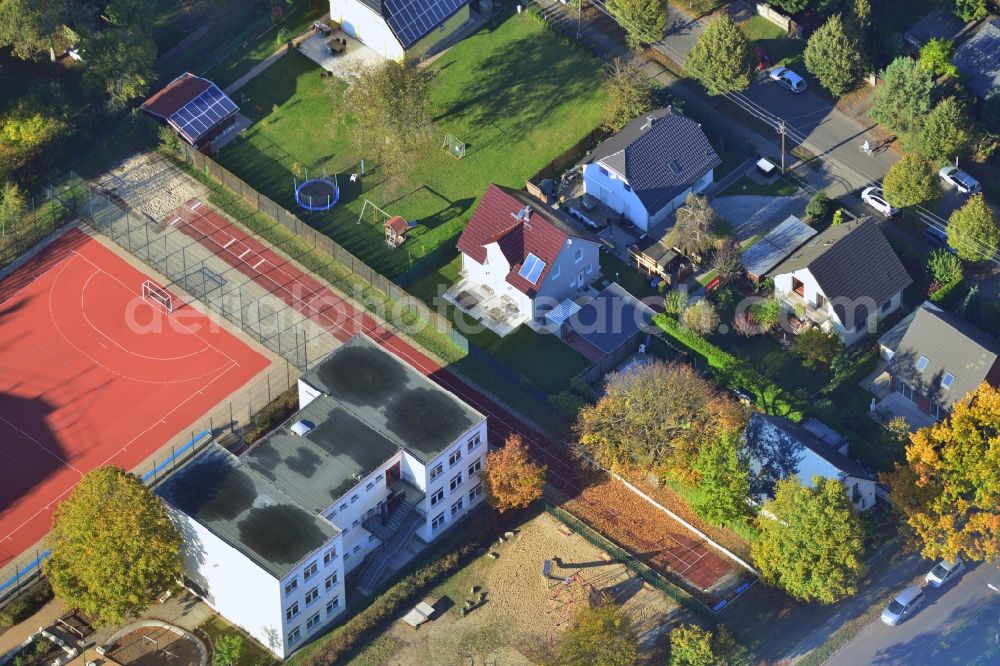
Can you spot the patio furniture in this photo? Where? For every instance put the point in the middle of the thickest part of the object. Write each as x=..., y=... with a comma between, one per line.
x=336, y=45
x=466, y=300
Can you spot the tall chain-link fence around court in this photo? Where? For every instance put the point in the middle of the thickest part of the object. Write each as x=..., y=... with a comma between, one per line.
x=200, y=271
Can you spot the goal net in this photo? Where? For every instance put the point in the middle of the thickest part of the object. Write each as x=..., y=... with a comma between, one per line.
x=454, y=146
x=154, y=292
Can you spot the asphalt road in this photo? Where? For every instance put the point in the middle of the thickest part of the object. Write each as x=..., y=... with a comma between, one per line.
x=810, y=120
x=960, y=624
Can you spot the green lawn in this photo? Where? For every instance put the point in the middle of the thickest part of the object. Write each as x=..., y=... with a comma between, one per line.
x=779, y=188
x=514, y=93
x=252, y=654
x=297, y=21
x=544, y=360
x=758, y=27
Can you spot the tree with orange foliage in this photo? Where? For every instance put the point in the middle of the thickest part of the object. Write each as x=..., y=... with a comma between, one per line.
x=511, y=480
x=949, y=488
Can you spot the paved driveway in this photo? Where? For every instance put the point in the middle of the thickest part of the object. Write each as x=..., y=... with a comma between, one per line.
x=959, y=625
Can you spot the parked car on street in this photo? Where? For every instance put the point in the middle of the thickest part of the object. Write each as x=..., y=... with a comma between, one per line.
x=937, y=238
x=960, y=180
x=903, y=606
x=788, y=79
x=874, y=197
x=944, y=572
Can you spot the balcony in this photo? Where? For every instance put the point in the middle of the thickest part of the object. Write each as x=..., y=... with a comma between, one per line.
x=795, y=303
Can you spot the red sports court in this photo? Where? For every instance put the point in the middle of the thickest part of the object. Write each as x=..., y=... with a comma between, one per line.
x=95, y=370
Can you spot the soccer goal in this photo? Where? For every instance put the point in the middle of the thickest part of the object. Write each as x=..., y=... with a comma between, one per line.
x=154, y=292
x=454, y=145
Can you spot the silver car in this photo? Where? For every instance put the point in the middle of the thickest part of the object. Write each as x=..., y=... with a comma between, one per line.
x=874, y=197
x=944, y=572
x=960, y=180
x=788, y=79
x=903, y=606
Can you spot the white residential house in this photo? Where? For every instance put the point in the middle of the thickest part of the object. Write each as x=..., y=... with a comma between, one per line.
x=402, y=30
x=843, y=280
x=522, y=256
x=646, y=170
x=377, y=461
x=779, y=449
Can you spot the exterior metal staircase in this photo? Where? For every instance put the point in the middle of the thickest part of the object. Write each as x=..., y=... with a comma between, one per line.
x=403, y=525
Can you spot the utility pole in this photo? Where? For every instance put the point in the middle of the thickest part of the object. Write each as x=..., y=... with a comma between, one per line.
x=781, y=131
x=579, y=19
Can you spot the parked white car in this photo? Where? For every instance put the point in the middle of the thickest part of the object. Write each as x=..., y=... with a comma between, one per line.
x=874, y=197
x=960, y=180
x=788, y=79
x=903, y=606
x=944, y=572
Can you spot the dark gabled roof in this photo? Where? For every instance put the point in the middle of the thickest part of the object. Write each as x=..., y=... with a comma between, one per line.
x=390, y=397
x=938, y=23
x=852, y=262
x=542, y=233
x=236, y=504
x=660, y=154
x=978, y=58
x=611, y=318
x=411, y=20
x=777, y=449
x=951, y=345
x=780, y=242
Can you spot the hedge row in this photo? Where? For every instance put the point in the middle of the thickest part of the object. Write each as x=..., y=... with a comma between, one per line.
x=272, y=414
x=949, y=294
x=445, y=559
x=26, y=604
x=733, y=372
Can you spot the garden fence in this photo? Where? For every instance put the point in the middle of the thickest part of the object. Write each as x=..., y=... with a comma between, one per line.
x=411, y=306
x=637, y=566
x=25, y=229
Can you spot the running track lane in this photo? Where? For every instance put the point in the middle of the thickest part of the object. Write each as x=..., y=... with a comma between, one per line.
x=343, y=320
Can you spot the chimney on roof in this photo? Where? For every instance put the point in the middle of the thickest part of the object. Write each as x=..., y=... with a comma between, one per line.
x=523, y=215
x=649, y=123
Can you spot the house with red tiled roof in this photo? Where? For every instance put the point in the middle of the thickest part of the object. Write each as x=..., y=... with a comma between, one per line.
x=520, y=259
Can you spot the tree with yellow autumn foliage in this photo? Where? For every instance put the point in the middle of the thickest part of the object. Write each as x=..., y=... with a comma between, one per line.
x=949, y=487
x=658, y=417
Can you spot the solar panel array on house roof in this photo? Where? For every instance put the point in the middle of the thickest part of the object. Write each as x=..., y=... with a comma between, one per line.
x=202, y=113
x=532, y=268
x=410, y=20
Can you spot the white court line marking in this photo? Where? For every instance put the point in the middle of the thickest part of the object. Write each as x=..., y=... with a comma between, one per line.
x=196, y=205
x=41, y=446
x=175, y=323
x=228, y=243
x=175, y=221
x=86, y=318
x=262, y=261
x=243, y=253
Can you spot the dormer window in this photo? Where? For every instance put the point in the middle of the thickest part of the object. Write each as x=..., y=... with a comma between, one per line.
x=922, y=363
x=947, y=380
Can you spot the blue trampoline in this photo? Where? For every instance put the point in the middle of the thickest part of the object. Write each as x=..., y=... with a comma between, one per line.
x=317, y=194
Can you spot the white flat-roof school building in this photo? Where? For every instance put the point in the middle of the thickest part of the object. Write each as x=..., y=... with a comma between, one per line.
x=376, y=456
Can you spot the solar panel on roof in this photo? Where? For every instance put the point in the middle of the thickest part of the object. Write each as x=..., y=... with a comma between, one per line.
x=532, y=268
x=410, y=20
x=198, y=116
